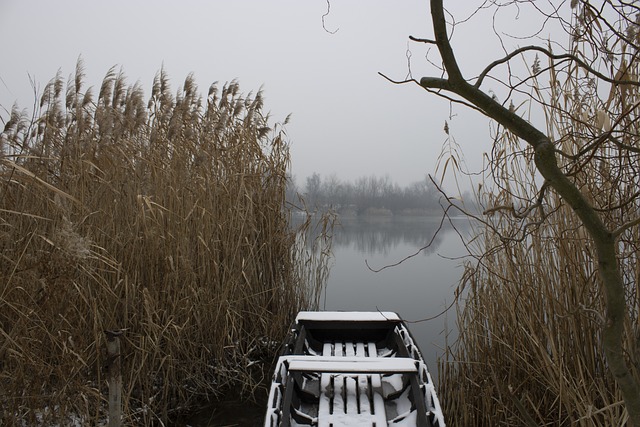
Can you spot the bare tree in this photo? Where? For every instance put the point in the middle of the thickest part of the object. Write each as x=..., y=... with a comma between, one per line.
x=313, y=188
x=600, y=63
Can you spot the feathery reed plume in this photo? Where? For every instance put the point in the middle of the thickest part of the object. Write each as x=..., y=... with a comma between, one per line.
x=529, y=350
x=164, y=219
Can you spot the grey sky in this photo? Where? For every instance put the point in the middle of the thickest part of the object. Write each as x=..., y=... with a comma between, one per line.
x=346, y=119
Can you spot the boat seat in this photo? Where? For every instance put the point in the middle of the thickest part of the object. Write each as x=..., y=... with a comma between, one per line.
x=347, y=316
x=351, y=385
x=352, y=365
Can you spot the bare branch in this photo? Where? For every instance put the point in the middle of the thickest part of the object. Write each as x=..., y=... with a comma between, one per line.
x=525, y=212
x=442, y=41
x=416, y=253
x=438, y=93
x=620, y=205
x=551, y=55
x=622, y=145
x=324, y=16
x=419, y=40
x=398, y=82
x=618, y=231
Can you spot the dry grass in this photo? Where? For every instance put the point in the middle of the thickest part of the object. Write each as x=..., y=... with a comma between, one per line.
x=164, y=219
x=529, y=350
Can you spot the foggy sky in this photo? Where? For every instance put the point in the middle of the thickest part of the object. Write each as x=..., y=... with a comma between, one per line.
x=346, y=119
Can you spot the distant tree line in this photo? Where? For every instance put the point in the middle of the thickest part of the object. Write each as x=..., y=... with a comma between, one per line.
x=367, y=195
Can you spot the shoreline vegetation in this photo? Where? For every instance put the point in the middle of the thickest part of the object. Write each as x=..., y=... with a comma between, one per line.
x=372, y=196
x=162, y=219
x=549, y=312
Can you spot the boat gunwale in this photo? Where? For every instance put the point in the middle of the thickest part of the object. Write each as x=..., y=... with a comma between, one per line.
x=310, y=326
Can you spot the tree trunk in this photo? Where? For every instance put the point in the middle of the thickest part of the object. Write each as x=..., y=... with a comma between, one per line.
x=547, y=164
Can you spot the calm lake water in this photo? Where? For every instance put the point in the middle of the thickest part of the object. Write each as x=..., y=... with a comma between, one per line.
x=420, y=287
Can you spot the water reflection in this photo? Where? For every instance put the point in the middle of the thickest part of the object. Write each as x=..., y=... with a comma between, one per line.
x=383, y=235
x=420, y=287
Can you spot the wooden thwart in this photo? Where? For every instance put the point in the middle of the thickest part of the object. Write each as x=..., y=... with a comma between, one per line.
x=347, y=316
x=352, y=364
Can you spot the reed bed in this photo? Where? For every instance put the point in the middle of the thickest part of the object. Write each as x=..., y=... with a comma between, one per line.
x=529, y=351
x=164, y=219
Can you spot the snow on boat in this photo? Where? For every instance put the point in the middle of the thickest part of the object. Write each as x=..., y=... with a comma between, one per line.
x=351, y=369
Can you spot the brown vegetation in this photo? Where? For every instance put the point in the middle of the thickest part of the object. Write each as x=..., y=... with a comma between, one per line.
x=165, y=220
x=534, y=346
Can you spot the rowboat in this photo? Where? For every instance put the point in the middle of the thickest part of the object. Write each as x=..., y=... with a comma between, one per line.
x=351, y=369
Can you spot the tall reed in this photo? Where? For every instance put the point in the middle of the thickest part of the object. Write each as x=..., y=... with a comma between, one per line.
x=529, y=350
x=164, y=219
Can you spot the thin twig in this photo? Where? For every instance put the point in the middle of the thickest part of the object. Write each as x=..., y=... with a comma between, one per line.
x=324, y=16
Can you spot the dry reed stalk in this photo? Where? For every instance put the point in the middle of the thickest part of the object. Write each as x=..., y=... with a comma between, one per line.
x=164, y=219
x=529, y=350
